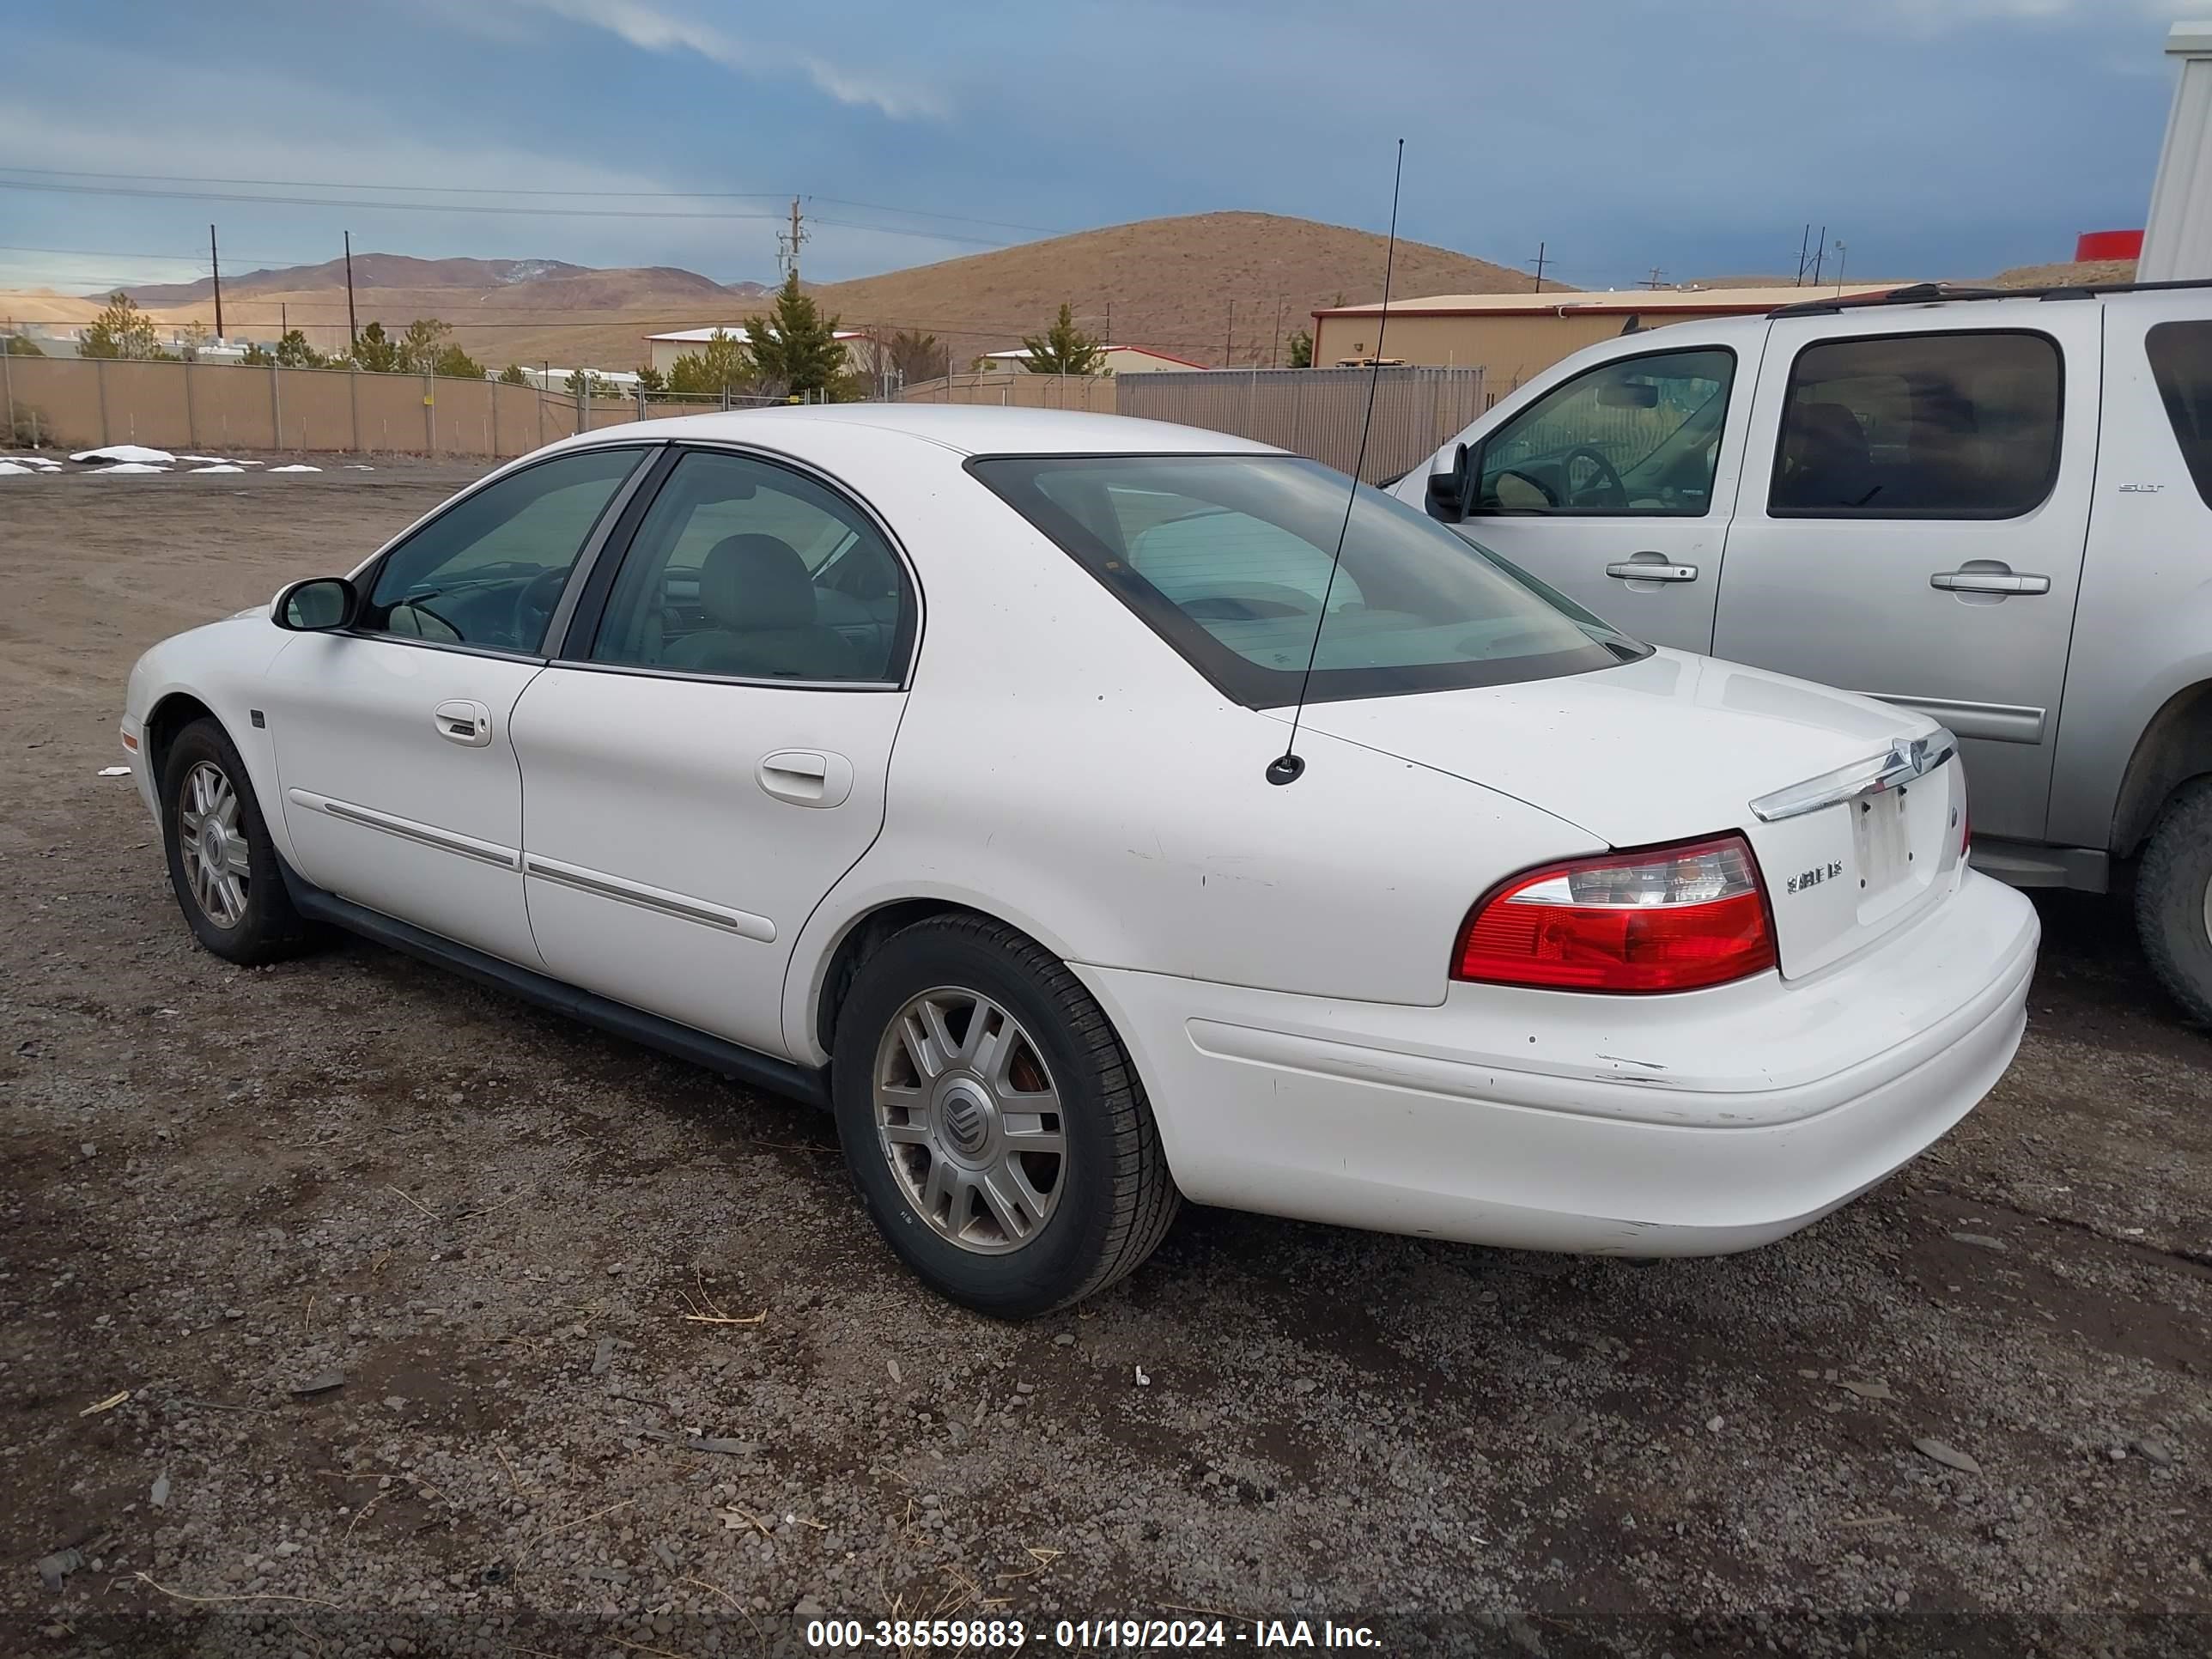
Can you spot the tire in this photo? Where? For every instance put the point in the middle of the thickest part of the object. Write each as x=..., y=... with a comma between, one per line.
x=2173, y=898
x=1107, y=1196
x=245, y=916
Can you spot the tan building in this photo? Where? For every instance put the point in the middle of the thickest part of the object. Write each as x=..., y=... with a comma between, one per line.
x=1118, y=360
x=661, y=350
x=1511, y=337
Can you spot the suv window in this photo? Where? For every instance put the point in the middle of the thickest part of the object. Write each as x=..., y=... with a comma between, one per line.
x=2181, y=363
x=1919, y=426
x=1639, y=436
x=749, y=571
x=487, y=571
x=1227, y=558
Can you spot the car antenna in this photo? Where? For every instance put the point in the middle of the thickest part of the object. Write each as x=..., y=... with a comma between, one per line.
x=1290, y=766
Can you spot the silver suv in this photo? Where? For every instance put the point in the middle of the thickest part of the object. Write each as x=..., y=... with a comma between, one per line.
x=1992, y=506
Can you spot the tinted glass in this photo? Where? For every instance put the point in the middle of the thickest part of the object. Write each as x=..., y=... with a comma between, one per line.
x=1919, y=426
x=489, y=571
x=2181, y=363
x=1228, y=557
x=1639, y=436
x=750, y=570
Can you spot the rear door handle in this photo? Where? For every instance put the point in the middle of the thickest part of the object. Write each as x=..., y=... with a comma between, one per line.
x=1651, y=568
x=806, y=777
x=458, y=720
x=1988, y=582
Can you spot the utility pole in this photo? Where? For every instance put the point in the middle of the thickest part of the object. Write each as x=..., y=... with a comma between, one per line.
x=787, y=242
x=1653, y=280
x=1840, y=252
x=1804, y=250
x=1228, y=342
x=1820, y=254
x=353, y=331
x=215, y=268
x=1276, y=344
x=1540, y=266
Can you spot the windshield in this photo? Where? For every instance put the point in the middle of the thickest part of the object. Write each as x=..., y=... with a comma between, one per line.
x=1228, y=558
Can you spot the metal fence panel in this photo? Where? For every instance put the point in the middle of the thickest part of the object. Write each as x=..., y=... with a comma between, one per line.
x=1316, y=412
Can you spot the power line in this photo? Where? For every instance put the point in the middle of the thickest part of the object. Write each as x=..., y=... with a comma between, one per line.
x=358, y=203
x=524, y=190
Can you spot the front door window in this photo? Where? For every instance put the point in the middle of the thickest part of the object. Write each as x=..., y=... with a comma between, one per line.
x=1639, y=436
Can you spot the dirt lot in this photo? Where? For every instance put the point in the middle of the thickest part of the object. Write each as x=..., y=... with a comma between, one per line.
x=542, y=1260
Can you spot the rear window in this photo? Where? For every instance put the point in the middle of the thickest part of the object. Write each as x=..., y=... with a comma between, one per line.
x=1228, y=558
x=2181, y=363
x=1919, y=426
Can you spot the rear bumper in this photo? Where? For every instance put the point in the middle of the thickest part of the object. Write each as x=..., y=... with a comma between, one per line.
x=1685, y=1125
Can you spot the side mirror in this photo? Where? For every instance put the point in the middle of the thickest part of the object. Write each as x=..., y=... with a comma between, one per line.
x=320, y=604
x=1448, y=490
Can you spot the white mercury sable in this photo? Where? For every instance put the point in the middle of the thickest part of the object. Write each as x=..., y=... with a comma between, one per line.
x=918, y=760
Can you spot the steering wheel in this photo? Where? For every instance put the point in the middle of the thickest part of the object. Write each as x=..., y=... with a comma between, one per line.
x=1616, y=491
x=533, y=606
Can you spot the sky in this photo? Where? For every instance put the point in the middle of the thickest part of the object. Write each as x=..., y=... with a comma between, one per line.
x=1931, y=138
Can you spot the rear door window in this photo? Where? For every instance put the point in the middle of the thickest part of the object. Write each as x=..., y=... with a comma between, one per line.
x=2181, y=363
x=1919, y=426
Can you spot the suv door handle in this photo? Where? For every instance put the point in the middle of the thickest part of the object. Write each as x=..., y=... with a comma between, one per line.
x=806, y=777
x=1999, y=581
x=1651, y=568
x=458, y=720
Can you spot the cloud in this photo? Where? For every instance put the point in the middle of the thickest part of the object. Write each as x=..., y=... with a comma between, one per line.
x=650, y=28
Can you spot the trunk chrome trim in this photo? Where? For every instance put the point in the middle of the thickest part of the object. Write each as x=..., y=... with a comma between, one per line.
x=467, y=847
x=1994, y=722
x=1905, y=759
x=743, y=923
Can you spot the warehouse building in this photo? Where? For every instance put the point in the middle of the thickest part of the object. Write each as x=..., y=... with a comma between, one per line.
x=1511, y=337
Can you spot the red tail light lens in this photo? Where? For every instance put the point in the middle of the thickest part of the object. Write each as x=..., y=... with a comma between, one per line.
x=1667, y=919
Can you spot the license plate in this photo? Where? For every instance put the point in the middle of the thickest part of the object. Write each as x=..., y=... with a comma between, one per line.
x=1882, y=838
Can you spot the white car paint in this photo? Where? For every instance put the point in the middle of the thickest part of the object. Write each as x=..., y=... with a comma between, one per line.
x=1276, y=959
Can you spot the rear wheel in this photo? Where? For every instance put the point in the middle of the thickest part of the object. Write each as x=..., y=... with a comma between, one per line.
x=221, y=863
x=2173, y=899
x=993, y=1123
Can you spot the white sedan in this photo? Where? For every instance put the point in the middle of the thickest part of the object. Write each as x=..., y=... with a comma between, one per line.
x=930, y=763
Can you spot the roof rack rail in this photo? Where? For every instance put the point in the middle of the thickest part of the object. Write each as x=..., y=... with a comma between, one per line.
x=1920, y=294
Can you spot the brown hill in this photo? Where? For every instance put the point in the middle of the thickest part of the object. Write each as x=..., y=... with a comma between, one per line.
x=2073, y=270
x=1168, y=284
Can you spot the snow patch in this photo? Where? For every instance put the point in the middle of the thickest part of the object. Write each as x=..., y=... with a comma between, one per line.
x=133, y=453
x=358, y=466
x=212, y=460
x=9, y=470
x=130, y=466
x=220, y=466
x=296, y=466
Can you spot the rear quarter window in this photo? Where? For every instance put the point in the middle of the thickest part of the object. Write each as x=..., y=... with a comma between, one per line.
x=2181, y=363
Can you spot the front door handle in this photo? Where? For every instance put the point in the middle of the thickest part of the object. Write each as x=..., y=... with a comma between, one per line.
x=1998, y=580
x=806, y=777
x=1651, y=568
x=458, y=720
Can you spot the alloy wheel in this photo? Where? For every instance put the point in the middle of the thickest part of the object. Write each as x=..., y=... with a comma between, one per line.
x=217, y=866
x=969, y=1119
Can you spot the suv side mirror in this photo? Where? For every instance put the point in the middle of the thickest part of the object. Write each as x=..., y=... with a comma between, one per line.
x=320, y=604
x=1448, y=490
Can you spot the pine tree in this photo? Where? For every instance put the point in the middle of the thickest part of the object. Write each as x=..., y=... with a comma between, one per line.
x=649, y=378
x=1063, y=349
x=724, y=366
x=795, y=348
x=512, y=375
x=293, y=351
x=121, y=329
x=1302, y=350
x=375, y=350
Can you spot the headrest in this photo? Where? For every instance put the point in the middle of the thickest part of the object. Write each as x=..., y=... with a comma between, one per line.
x=749, y=583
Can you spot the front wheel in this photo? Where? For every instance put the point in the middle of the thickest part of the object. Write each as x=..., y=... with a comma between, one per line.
x=2173, y=899
x=993, y=1123
x=222, y=862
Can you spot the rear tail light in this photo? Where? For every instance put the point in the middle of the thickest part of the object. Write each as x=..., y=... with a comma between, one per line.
x=1662, y=918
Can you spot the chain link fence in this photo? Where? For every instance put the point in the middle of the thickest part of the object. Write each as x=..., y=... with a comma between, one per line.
x=1317, y=412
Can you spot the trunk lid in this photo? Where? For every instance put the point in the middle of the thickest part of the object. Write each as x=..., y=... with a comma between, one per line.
x=1676, y=747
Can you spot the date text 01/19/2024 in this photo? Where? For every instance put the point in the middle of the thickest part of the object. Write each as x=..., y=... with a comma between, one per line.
x=1085, y=1635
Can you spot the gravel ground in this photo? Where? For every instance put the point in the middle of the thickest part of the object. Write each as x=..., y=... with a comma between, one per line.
x=345, y=1307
